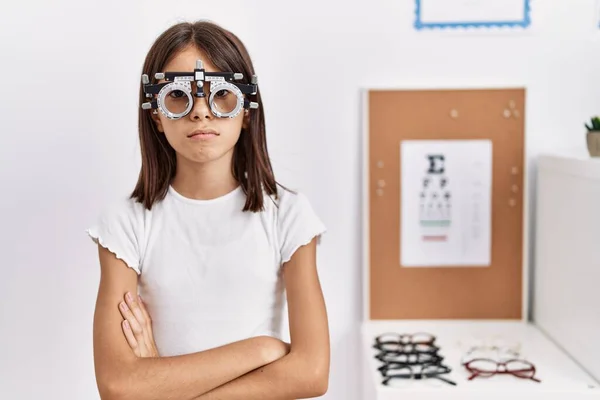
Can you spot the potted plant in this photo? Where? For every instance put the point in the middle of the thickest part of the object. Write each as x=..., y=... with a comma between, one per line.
x=593, y=136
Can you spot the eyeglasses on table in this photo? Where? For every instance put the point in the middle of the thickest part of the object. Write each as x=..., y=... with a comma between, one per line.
x=485, y=368
x=402, y=374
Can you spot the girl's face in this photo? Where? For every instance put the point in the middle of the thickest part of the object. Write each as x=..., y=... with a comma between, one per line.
x=222, y=133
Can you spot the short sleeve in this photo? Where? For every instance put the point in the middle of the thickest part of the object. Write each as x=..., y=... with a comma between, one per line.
x=119, y=229
x=297, y=223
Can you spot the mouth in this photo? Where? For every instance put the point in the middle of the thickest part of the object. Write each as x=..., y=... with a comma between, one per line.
x=202, y=133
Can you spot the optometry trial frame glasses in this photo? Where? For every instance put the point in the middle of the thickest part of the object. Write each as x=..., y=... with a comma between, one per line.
x=175, y=97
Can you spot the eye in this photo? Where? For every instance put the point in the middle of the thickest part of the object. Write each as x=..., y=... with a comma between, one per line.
x=176, y=93
x=221, y=93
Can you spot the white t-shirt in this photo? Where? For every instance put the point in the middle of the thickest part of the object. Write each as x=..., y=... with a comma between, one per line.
x=209, y=273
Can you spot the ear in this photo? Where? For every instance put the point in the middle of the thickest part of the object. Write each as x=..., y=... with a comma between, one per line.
x=157, y=121
x=246, y=121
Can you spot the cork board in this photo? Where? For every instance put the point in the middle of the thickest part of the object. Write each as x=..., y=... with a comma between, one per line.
x=444, y=292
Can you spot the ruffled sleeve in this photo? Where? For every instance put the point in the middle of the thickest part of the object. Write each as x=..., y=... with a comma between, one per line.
x=297, y=223
x=119, y=229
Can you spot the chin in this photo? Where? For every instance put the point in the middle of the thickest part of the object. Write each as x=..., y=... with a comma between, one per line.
x=205, y=155
x=202, y=157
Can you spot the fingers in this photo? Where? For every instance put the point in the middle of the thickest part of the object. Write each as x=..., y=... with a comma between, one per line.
x=139, y=321
x=147, y=324
x=133, y=343
x=145, y=313
x=148, y=328
x=131, y=319
x=135, y=308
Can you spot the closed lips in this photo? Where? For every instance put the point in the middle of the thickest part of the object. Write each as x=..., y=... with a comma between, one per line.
x=203, y=132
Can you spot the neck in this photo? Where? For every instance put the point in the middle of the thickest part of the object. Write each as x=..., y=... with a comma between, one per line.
x=204, y=181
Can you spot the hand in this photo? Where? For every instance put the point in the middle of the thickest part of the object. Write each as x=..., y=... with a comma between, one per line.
x=137, y=326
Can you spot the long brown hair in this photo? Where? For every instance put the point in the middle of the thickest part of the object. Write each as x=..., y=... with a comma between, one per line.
x=251, y=166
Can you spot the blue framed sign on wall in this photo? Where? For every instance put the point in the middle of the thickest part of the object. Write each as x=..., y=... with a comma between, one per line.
x=455, y=14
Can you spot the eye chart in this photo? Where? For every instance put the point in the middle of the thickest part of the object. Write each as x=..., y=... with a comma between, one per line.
x=445, y=202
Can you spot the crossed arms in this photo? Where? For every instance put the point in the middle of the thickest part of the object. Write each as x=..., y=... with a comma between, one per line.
x=257, y=368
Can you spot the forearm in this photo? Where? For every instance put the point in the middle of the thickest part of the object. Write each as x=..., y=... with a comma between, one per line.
x=304, y=372
x=291, y=377
x=187, y=376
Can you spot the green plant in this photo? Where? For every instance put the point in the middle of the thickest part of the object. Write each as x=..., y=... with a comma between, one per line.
x=595, y=121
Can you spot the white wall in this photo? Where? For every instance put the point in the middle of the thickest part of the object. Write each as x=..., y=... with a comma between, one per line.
x=70, y=75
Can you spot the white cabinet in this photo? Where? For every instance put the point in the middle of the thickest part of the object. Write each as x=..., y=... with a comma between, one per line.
x=566, y=276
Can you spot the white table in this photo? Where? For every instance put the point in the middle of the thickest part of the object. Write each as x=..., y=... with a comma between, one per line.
x=560, y=376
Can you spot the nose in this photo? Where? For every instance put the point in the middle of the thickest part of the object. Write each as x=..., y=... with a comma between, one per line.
x=200, y=109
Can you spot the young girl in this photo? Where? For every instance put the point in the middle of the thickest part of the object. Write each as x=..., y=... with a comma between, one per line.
x=214, y=246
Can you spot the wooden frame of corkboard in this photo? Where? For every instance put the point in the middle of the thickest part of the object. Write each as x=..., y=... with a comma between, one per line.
x=372, y=309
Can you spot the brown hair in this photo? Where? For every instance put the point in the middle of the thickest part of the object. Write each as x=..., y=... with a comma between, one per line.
x=251, y=166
